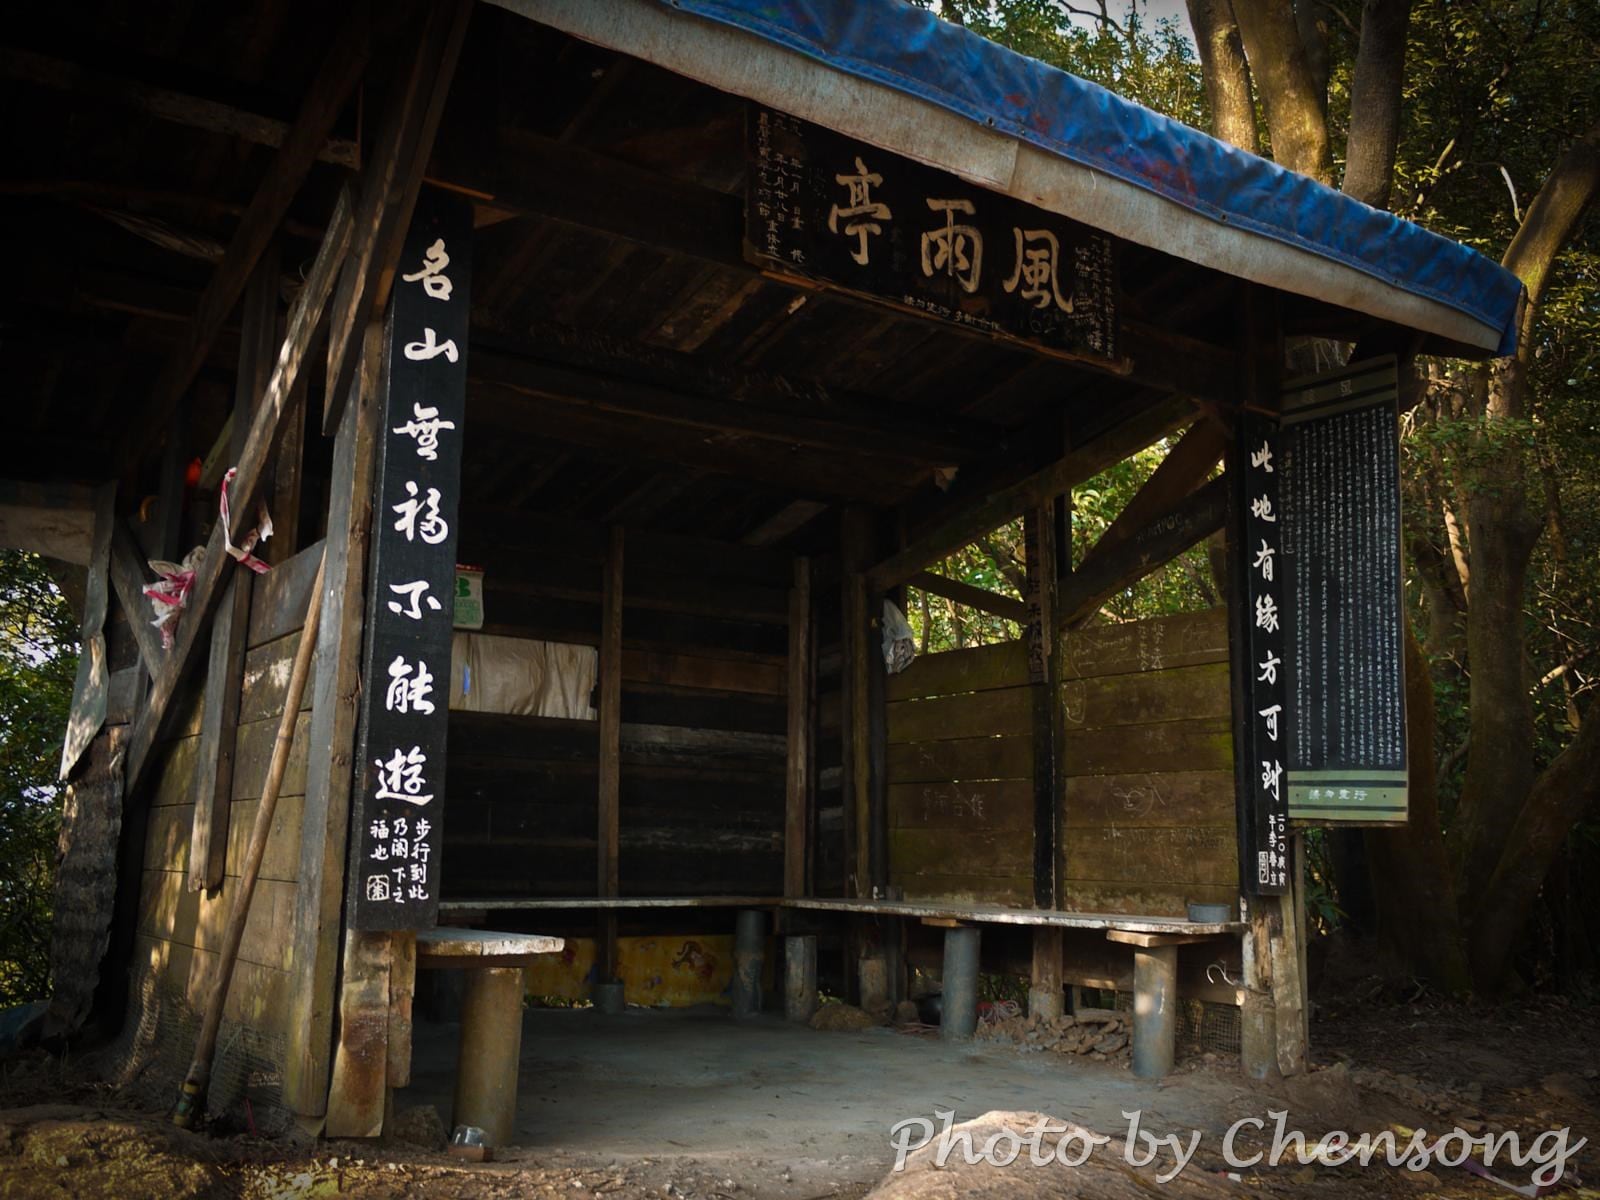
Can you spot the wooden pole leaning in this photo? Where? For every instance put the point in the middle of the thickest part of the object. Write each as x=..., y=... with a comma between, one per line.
x=192, y=1093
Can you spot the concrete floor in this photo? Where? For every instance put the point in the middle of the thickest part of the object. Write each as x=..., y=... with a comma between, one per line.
x=782, y=1097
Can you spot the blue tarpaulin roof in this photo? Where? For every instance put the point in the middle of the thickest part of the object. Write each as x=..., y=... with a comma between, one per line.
x=892, y=43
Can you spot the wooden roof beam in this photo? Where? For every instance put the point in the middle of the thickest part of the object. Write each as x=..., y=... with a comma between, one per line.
x=861, y=434
x=179, y=108
x=989, y=513
x=973, y=597
x=1169, y=534
x=341, y=67
x=540, y=177
x=1182, y=471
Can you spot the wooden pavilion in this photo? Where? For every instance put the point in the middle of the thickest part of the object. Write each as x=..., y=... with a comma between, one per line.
x=697, y=333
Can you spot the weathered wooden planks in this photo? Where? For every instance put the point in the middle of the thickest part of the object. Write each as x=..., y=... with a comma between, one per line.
x=1200, y=745
x=1178, y=694
x=982, y=668
x=1148, y=811
x=996, y=804
x=961, y=758
x=257, y=998
x=1151, y=798
x=976, y=714
x=1014, y=890
x=279, y=598
x=1187, y=639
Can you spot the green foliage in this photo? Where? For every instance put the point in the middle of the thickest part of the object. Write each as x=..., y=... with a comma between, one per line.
x=999, y=564
x=38, y=659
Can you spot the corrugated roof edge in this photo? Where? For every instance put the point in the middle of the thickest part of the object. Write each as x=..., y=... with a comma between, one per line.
x=911, y=50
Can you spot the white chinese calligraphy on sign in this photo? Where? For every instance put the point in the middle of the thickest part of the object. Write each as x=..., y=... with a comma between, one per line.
x=432, y=277
x=416, y=592
x=429, y=347
x=400, y=778
x=408, y=692
x=425, y=427
x=956, y=250
x=862, y=213
x=1038, y=261
x=432, y=527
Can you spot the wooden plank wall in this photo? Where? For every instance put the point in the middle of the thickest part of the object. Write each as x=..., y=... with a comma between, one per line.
x=960, y=766
x=705, y=642
x=180, y=930
x=1148, y=820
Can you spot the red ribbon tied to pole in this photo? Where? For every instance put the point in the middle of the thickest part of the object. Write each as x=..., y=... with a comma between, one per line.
x=262, y=531
x=170, y=592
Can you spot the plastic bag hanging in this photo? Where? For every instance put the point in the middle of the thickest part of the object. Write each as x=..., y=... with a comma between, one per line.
x=899, y=643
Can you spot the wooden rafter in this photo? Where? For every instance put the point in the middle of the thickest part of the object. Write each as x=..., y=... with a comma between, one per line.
x=973, y=522
x=1183, y=470
x=324, y=100
x=1169, y=534
x=180, y=108
x=973, y=597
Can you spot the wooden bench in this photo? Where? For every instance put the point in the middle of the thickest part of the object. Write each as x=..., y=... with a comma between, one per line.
x=491, y=1019
x=1154, y=941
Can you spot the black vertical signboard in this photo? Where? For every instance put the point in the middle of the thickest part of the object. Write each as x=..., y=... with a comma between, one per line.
x=1262, y=636
x=1341, y=544
x=395, y=832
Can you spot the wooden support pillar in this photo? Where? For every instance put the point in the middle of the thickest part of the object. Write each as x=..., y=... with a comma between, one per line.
x=800, y=978
x=959, y=1019
x=854, y=551
x=749, y=954
x=797, y=790
x=1039, y=532
x=219, y=721
x=325, y=820
x=358, y=1099
x=609, y=807
x=1046, y=999
x=1273, y=1039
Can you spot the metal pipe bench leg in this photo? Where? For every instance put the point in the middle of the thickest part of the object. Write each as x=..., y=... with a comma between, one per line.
x=1155, y=1010
x=959, y=1014
x=491, y=1048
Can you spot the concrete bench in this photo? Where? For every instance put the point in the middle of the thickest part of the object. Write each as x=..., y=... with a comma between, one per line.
x=491, y=1019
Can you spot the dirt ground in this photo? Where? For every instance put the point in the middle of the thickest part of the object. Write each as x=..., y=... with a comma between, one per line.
x=1526, y=1067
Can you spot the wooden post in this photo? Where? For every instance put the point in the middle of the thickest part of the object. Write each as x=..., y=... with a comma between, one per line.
x=287, y=480
x=1273, y=1035
x=797, y=793
x=219, y=721
x=1039, y=532
x=329, y=769
x=1046, y=997
x=608, y=833
x=855, y=549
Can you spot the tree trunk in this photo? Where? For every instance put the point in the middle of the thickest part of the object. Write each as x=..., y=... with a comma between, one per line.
x=1375, y=101
x=1560, y=797
x=1279, y=66
x=1226, y=73
x=1503, y=530
x=1417, y=914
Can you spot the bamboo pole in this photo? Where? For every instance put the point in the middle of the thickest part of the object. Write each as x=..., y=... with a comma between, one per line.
x=191, y=1096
